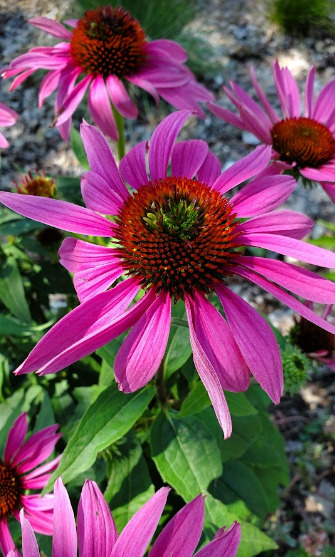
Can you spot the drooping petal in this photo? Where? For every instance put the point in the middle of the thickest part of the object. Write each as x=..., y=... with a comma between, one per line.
x=217, y=342
x=243, y=169
x=49, y=84
x=287, y=299
x=181, y=535
x=132, y=166
x=101, y=158
x=300, y=281
x=324, y=173
x=57, y=213
x=291, y=247
x=41, y=521
x=16, y=437
x=208, y=374
x=64, y=540
x=144, y=84
x=7, y=116
x=6, y=540
x=90, y=282
x=29, y=543
x=286, y=222
x=97, y=532
x=225, y=543
x=162, y=142
x=210, y=170
x=162, y=73
x=73, y=100
x=98, y=195
x=256, y=341
x=77, y=255
x=329, y=189
x=136, y=535
x=85, y=329
x=226, y=115
x=187, y=97
x=262, y=195
x=160, y=47
x=38, y=478
x=52, y=27
x=120, y=98
x=100, y=108
x=141, y=353
x=187, y=157
x=36, y=449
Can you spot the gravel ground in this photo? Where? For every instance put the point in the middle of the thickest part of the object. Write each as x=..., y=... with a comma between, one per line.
x=240, y=35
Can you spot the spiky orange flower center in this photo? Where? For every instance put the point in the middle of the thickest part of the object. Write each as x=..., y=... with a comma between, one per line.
x=178, y=235
x=303, y=141
x=108, y=41
x=10, y=490
x=36, y=184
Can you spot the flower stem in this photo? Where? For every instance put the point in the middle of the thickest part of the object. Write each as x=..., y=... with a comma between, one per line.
x=120, y=127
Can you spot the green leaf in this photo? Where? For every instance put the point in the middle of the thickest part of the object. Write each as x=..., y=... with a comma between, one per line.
x=253, y=540
x=110, y=417
x=196, y=401
x=129, y=483
x=186, y=453
x=243, y=484
x=10, y=326
x=78, y=148
x=9, y=411
x=239, y=405
x=20, y=225
x=246, y=429
x=179, y=348
x=46, y=415
x=327, y=242
x=12, y=291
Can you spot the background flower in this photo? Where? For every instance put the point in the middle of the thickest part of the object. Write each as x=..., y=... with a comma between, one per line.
x=98, y=537
x=177, y=237
x=107, y=60
x=7, y=118
x=305, y=142
x=20, y=470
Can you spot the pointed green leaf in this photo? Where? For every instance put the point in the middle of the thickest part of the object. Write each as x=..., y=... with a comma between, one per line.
x=12, y=291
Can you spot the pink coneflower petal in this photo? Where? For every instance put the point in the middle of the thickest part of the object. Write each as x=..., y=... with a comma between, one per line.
x=77, y=255
x=3, y=142
x=59, y=214
x=44, y=61
x=136, y=535
x=287, y=299
x=133, y=167
x=257, y=127
x=243, y=169
x=182, y=533
x=167, y=75
x=98, y=195
x=64, y=541
x=219, y=345
x=272, y=114
x=29, y=543
x=36, y=449
x=329, y=189
x=226, y=115
x=286, y=222
x=186, y=101
x=120, y=98
x=287, y=91
x=87, y=328
x=309, y=94
x=299, y=281
x=144, y=84
x=6, y=540
x=251, y=106
x=15, y=437
x=50, y=26
x=166, y=48
x=67, y=81
x=291, y=247
x=90, y=282
x=141, y=353
x=262, y=195
x=49, y=83
x=162, y=142
x=324, y=105
x=210, y=170
x=256, y=341
x=324, y=173
x=73, y=100
x=100, y=108
x=208, y=374
x=97, y=532
x=7, y=116
x=38, y=478
x=101, y=159
x=225, y=543
x=187, y=157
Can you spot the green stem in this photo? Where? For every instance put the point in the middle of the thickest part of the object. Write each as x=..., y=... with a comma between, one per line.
x=120, y=127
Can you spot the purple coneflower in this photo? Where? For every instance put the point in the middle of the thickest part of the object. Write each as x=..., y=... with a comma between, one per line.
x=96, y=534
x=301, y=140
x=20, y=471
x=178, y=237
x=107, y=48
x=7, y=118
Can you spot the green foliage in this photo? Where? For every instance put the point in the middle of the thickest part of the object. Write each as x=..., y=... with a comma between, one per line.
x=303, y=17
x=295, y=367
